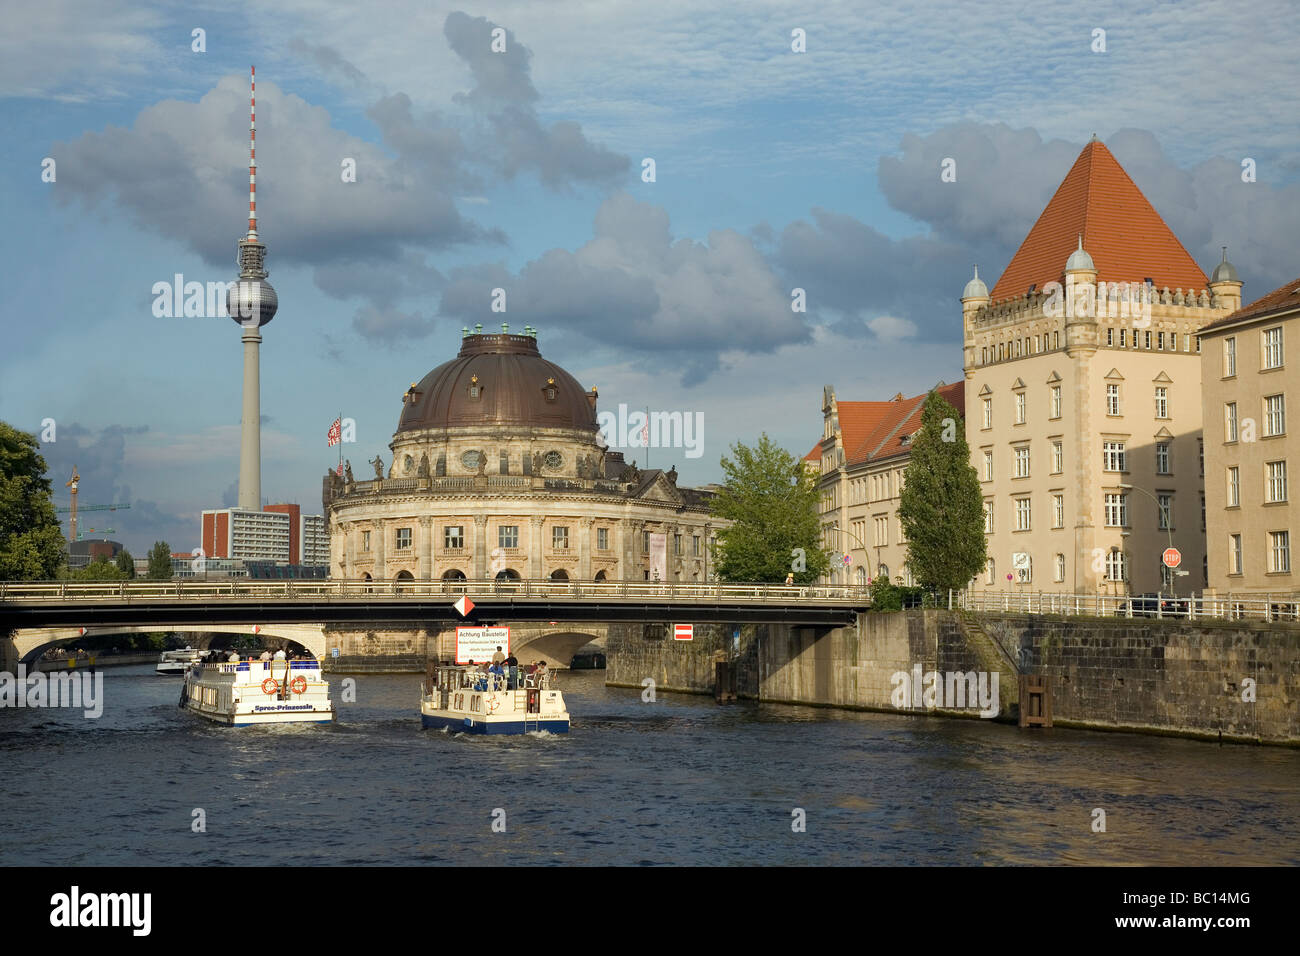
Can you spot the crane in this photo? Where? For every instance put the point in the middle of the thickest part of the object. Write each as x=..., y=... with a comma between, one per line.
x=72, y=527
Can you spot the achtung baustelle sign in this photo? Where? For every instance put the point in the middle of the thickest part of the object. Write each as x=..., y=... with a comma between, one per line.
x=478, y=644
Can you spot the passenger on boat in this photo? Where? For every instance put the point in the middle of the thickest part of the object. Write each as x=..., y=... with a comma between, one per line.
x=279, y=655
x=266, y=656
x=512, y=672
x=498, y=657
x=497, y=676
x=541, y=674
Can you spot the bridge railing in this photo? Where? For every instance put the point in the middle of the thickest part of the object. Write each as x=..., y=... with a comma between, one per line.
x=1268, y=607
x=315, y=588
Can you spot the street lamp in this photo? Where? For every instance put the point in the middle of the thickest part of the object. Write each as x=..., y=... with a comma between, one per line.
x=1169, y=528
x=859, y=541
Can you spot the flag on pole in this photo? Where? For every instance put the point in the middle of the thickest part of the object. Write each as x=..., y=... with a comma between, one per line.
x=339, y=470
x=336, y=432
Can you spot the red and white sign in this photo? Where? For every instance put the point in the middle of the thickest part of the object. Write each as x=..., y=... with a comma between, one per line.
x=683, y=632
x=1172, y=557
x=464, y=606
x=257, y=628
x=82, y=631
x=478, y=644
x=335, y=434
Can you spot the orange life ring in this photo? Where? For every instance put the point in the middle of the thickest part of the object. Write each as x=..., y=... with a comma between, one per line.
x=298, y=685
x=493, y=704
x=274, y=685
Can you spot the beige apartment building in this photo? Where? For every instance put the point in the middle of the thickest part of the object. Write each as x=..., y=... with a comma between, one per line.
x=1246, y=380
x=861, y=459
x=1083, y=385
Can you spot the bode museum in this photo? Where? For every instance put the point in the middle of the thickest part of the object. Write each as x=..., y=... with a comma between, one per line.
x=499, y=470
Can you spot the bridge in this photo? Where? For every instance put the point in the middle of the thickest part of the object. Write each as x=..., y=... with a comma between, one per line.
x=42, y=614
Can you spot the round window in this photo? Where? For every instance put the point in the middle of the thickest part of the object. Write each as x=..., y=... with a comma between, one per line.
x=470, y=460
x=554, y=459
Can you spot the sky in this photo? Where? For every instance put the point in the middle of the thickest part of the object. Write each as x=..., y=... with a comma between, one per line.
x=524, y=168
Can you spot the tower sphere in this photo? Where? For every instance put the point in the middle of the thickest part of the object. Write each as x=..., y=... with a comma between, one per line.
x=251, y=302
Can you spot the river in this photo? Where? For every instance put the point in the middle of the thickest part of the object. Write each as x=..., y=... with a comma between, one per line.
x=681, y=780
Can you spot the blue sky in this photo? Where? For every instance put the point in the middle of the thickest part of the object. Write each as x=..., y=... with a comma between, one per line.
x=521, y=169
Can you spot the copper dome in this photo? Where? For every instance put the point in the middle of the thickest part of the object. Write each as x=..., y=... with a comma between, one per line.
x=498, y=379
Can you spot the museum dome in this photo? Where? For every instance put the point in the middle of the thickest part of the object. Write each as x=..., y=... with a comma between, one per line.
x=498, y=379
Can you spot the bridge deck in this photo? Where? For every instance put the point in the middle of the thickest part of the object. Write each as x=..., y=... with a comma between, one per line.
x=342, y=602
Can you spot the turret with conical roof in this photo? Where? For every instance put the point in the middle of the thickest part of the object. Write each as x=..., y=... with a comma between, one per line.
x=1225, y=284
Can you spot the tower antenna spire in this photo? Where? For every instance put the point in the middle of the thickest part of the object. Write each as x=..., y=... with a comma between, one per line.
x=252, y=152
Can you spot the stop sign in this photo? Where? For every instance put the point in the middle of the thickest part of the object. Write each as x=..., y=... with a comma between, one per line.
x=1172, y=557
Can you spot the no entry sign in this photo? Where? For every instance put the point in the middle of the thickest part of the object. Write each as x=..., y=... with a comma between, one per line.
x=1172, y=557
x=683, y=632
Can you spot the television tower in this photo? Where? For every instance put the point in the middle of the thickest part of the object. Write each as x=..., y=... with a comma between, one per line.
x=252, y=303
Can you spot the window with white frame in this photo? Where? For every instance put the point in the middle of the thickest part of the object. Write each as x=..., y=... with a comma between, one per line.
x=1058, y=457
x=882, y=531
x=1116, y=510
x=1234, y=487
x=1230, y=356
x=1117, y=563
x=1022, y=461
x=403, y=538
x=1230, y=421
x=1112, y=456
x=453, y=536
x=1056, y=401
x=990, y=573
x=988, y=465
x=602, y=540
x=1059, y=576
x=1112, y=398
x=1234, y=554
x=1020, y=408
x=1058, y=511
x=560, y=538
x=1165, y=512
x=508, y=536
x=988, y=516
x=1272, y=347
x=988, y=413
x=1022, y=514
x=1274, y=415
x=1162, y=458
x=1276, y=480
x=1279, y=551
x=1162, y=401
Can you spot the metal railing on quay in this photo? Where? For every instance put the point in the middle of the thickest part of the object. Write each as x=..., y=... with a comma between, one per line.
x=1268, y=607
x=315, y=588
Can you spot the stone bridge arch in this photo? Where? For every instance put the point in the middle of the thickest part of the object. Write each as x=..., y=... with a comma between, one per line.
x=27, y=644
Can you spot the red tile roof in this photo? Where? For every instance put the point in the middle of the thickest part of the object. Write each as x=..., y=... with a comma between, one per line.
x=815, y=454
x=1125, y=236
x=899, y=417
x=1282, y=299
x=859, y=419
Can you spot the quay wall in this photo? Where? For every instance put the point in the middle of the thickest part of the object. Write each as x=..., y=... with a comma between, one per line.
x=1166, y=677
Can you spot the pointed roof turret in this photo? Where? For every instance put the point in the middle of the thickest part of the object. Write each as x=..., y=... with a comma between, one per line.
x=1099, y=207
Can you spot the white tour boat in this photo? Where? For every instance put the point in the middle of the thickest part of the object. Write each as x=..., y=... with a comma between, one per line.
x=465, y=699
x=248, y=692
x=174, y=663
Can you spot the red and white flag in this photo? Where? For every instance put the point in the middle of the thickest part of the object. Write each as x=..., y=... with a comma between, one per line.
x=339, y=470
x=336, y=432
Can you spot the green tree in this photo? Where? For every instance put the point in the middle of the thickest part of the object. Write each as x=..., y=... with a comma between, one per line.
x=772, y=503
x=101, y=569
x=126, y=563
x=941, y=508
x=160, y=562
x=31, y=540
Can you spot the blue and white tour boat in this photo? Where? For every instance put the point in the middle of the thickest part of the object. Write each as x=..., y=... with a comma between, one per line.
x=464, y=698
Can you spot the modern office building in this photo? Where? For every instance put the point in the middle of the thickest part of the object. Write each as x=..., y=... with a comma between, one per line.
x=1245, y=383
x=1083, y=393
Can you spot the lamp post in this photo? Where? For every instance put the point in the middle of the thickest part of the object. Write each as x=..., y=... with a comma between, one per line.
x=1168, y=528
x=859, y=541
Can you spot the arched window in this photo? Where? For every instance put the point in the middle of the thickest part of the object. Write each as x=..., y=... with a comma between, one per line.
x=883, y=571
x=600, y=575
x=509, y=574
x=559, y=574
x=453, y=574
